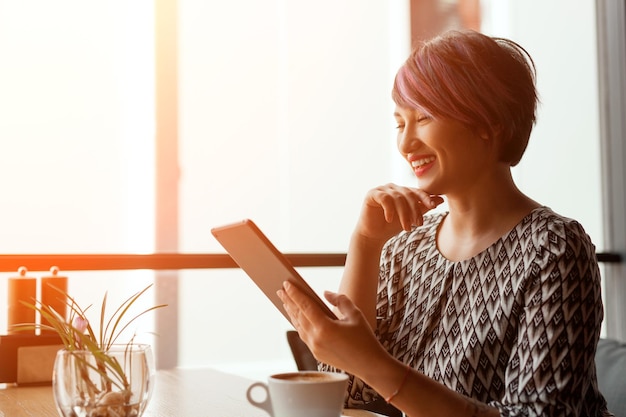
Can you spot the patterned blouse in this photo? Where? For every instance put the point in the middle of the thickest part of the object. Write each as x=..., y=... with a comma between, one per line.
x=515, y=326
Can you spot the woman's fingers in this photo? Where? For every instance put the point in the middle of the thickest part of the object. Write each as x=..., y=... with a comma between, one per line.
x=299, y=306
x=403, y=204
x=346, y=307
x=331, y=341
x=389, y=209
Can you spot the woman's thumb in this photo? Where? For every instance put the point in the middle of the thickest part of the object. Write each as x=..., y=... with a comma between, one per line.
x=345, y=306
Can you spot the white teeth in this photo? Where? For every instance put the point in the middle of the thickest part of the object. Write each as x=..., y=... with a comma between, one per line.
x=423, y=161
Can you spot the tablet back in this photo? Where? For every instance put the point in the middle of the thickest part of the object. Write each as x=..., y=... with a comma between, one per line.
x=264, y=264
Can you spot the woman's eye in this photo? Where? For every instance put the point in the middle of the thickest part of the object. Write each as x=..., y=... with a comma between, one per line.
x=400, y=126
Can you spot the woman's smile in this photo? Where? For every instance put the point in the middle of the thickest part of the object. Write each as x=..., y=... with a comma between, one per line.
x=421, y=164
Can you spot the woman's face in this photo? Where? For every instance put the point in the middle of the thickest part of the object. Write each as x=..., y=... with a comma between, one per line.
x=445, y=155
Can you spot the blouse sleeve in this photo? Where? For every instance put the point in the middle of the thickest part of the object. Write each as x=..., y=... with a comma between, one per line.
x=551, y=368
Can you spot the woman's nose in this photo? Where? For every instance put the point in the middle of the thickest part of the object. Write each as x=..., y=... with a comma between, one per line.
x=407, y=141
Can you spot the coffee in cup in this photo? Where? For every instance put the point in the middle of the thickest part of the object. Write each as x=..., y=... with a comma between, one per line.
x=302, y=394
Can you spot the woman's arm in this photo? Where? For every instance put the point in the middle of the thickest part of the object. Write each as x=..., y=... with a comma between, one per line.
x=552, y=364
x=360, y=276
x=417, y=395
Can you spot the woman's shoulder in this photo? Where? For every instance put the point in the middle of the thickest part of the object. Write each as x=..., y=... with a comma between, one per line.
x=545, y=219
x=551, y=229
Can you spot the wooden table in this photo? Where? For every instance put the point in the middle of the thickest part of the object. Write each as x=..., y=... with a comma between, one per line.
x=177, y=393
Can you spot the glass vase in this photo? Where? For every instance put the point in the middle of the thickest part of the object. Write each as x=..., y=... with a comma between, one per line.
x=114, y=383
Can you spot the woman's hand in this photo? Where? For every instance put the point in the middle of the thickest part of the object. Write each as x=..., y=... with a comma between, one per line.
x=390, y=208
x=386, y=211
x=347, y=343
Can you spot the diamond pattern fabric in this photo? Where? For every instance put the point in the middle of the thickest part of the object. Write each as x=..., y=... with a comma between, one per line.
x=515, y=326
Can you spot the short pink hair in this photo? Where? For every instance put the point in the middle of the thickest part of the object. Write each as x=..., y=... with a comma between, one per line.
x=485, y=83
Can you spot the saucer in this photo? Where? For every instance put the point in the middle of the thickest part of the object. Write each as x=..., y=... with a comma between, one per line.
x=359, y=413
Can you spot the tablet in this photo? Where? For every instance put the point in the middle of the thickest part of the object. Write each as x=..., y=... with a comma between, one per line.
x=266, y=265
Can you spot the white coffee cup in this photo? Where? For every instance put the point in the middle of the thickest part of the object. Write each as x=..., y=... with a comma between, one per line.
x=302, y=394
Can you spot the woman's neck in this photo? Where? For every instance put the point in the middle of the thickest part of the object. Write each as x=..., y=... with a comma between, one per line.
x=475, y=222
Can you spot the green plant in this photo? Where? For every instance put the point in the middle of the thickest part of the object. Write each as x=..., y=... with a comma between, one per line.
x=78, y=337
